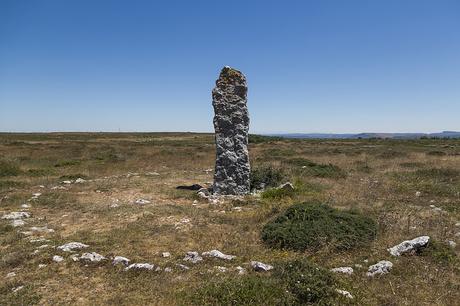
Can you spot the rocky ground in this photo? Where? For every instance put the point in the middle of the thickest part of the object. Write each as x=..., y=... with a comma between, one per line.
x=97, y=219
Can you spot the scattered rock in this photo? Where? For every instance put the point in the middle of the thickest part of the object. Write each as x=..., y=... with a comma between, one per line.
x=418, y=193
x=16, y=289
x=241, y=270
x=193, y=257
x=58, y=258
x=452, y=244
x=16, y=215
x=413, y=245
x=18, y=222
x=25, y=206
x=183, y=267
x=120, y=260
x=286, y=186
x=42, y=229
x=11, y=274
x=75, y=257
x=167, y=269
x=41, y=266
x=92, y=257
x=260, y=267
x=142, y=202
x=344, y=293
x=382, y=267
x=140, y=266
x=67, y=182
x=231, y=124
x=344, y=270
x=166, y=254
x=218, y=254
x=220, y=269
x=80, y=180
x=359, y=266
x=69, y=247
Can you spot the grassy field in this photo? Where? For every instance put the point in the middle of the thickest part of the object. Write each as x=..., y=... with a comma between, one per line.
x=409, y=188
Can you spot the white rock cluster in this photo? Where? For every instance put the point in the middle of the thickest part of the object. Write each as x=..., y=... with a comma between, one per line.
x=344, y=270
x=218, y=254
x=69, y=247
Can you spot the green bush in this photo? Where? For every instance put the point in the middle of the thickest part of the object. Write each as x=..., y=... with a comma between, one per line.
x=266, y=176
x=307, y=167
x=296, y=282
x=439, y=252
x=308, y=283
x=246, y=290
x=8, y=168
x=310, y=226
x=277, y=193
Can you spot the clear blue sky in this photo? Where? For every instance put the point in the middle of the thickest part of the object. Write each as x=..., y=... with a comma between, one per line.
x=312, y=66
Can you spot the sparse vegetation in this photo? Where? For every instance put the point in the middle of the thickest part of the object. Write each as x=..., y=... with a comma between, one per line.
x=8, y=168
x=414, y=193
x=309, y=168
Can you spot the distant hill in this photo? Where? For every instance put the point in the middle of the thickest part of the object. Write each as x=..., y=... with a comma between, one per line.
x=444, y=134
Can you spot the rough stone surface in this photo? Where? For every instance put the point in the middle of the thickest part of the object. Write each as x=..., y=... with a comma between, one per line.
x=409, y=246
x=69, y=247
x=260, y=267
x=120, y=259
x=15, y=215
x=140, y=266
x=231, y=125
x=92, y=257
x=344, y=293
x=193, y=257
x=218, y=254
x=344, y=270
x=57, y=258
x=382, y=267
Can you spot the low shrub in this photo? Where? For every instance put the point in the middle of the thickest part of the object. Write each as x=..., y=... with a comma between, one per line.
x=439, y=252
x=265, y=177
x=308, y=283
x=246, y=290
x=307, y=167
x=296, y=282
x=8, y=168
x=310, y=226
x=66, y=163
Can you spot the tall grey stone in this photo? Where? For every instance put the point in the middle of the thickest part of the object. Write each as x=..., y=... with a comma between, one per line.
x=231, y=124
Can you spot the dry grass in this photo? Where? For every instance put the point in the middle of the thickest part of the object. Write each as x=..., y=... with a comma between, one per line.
x=382, y=178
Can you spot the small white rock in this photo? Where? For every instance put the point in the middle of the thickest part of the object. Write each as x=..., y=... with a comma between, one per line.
x=58, y=258
x=344, y=270
x=140, y=266
x=11, y=274
x=241, y=270
x=382, y=267
x=166, y=254
x=183, y=267
x=344, y=293
x=221, y=269
x=120, y=259
x=452, y=244
x=41, y=266
x=142, y=202
x=260, y=266
x=16, y=215
x=92, y=257
x=193, y=257
x=218, y=254
x=67, y=182
x=167, y=269
x=80, y=180
x=18, y=222
x=418, y=194
x=69, y=247
x=17, y=289
x=409, y=245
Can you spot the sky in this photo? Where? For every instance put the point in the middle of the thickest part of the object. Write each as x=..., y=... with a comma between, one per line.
x=312, y=66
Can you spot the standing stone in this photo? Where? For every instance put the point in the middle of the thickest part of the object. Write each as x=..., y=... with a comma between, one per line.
x=231, y=124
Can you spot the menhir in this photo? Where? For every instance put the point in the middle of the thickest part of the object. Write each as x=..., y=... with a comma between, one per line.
x=231, y=124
